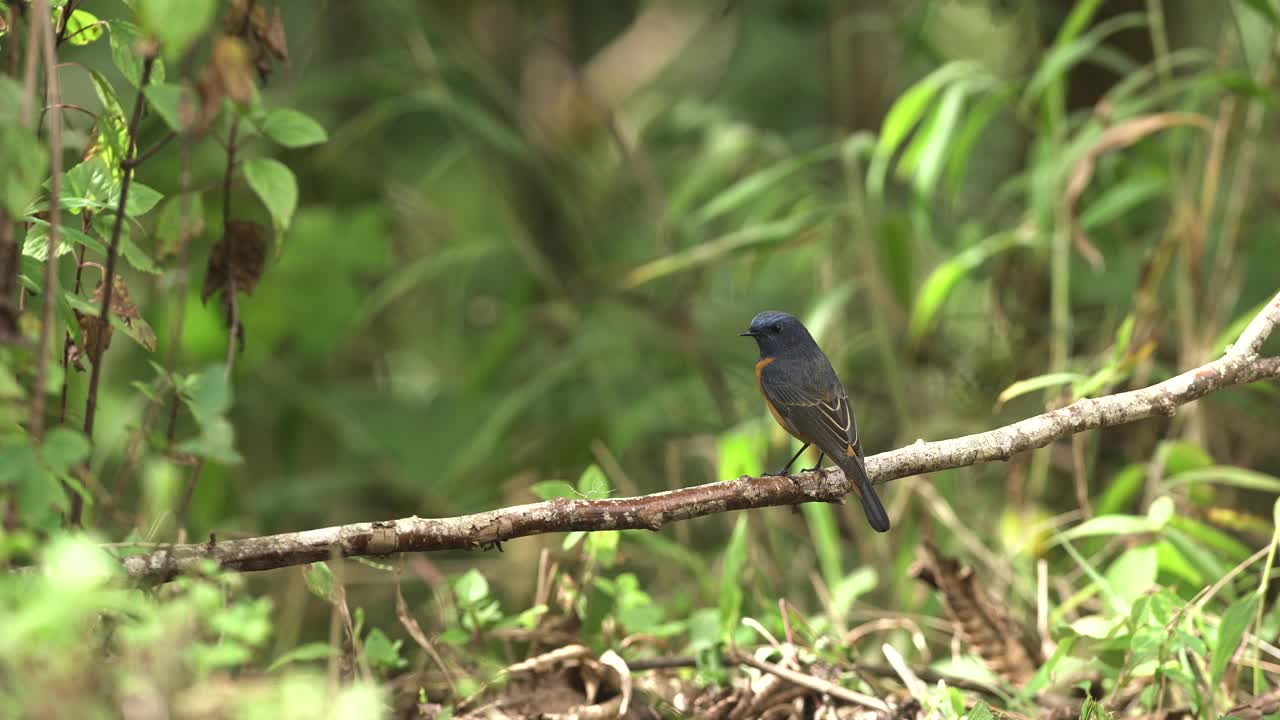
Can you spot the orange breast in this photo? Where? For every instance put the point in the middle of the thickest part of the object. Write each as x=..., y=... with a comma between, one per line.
x=760, y=366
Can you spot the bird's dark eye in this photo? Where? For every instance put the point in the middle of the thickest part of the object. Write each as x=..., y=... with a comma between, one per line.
x=777, y=328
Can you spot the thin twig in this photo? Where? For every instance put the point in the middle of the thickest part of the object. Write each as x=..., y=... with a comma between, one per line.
x=812, y=683
x=53, y=94
x=113, y=252
x=142, y=156
x=233, y=310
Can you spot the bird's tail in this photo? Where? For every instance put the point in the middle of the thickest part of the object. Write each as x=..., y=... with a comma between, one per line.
x=871, y=506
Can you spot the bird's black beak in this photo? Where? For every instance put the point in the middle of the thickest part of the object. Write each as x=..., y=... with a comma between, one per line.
x=746, y=334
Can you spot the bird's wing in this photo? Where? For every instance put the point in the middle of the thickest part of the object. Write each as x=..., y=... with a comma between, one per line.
x=818, y=408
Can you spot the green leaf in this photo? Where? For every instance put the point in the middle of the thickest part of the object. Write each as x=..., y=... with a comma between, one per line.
x=381, y=652
x=934, y=145
x=165, y=99
x=471, y=588
x=303, y=653
x=37, y=242
x=938, y=286
x=1104, y=525
x=1134, y=572
x=141, y=199
x=731, y=581
x=319, y=580
x=549, y=489
x=572, y=539
x=1228, y=475
x=208, y=394
x=593, y=483
x=750, y=188
x=1265, y=8
x=276, y=186
x=292, y=129
x=23, y=169
x=1122, y=198
x=980, y=711
x=1040, y=382
x=1124, y=487
x=62, y=448
x=1230, y=632
x=175, y=23
x=821, y=519
x=83, y=28
x=602, y=545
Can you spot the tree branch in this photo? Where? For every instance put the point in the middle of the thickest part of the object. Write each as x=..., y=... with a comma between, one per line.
x=650, y=512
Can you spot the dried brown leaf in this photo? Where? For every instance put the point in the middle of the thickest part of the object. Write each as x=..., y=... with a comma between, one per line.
x=89, y=329
x=232, y=62
x=240, y=257
x=981, y=620
x=123, y=307
x=1257, y=708
x=275, y=39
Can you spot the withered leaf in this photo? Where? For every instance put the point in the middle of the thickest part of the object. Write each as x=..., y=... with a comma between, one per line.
x=982, y=620
x=89, y=327
x=240, y=257
x=275, y=39
x=231, y=62
x=123, y=307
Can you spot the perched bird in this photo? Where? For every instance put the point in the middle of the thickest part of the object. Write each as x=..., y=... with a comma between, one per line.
x=806, y=398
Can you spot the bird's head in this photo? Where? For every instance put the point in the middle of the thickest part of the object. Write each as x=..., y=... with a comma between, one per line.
x=774, y=331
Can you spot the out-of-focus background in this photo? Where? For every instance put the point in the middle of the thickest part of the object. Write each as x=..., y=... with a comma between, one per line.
x=526, y=249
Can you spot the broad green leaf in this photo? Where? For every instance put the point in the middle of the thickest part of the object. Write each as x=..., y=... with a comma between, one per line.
x=1134, y=572
x=175, y=23
x=83, y=28
x=141, y=199
x=1040, y=382
x=851, y=587
x=63, y=447
x=380, y=651
x=292, y=129
x=319, y=580
x=741, y=449
x=1265, y=8
x=593, y=483
x=275, y=185
x=37, y=242
x=1161, y=511
x=302, y=653
x=731, y=580
x=471, y=588
x=549, y=489
x=112, y=128
x=215, y=442
x=602, y=545
x=166, y=99
x=1230, y=632
x=208, y=394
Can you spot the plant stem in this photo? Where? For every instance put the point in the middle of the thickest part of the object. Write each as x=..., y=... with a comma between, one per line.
x=53, y=95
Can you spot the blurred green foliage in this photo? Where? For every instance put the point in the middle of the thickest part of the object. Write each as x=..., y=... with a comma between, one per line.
x=501, y=251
